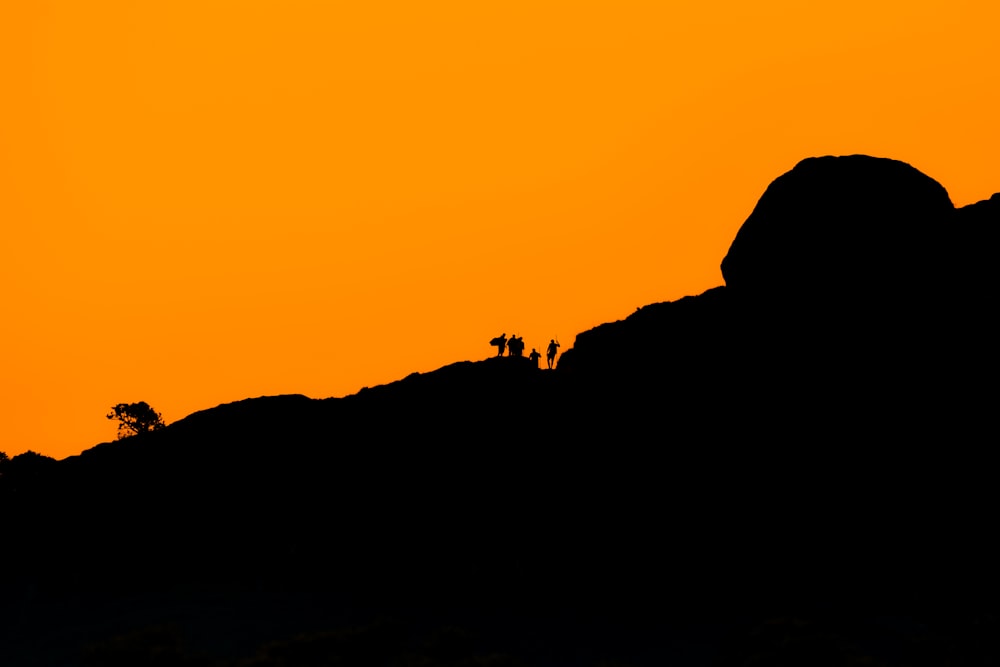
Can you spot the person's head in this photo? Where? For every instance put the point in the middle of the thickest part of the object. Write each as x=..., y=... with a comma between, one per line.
x=552, y=340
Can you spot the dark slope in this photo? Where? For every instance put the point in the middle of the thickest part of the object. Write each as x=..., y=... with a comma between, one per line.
x=813, y=438
x=845, y=374
x=858, y=307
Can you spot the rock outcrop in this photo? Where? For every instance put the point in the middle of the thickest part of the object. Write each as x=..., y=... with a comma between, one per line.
x=858, y=303
x=851, y=229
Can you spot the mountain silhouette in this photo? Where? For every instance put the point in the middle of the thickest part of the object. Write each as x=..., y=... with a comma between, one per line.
x=798, y=458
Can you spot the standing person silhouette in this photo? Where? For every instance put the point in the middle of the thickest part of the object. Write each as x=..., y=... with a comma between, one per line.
x=500, y=342
x=550, y=353
x=515, y=346
x=535, y=356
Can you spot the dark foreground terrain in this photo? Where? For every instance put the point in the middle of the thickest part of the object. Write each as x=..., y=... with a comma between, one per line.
x=797, y=470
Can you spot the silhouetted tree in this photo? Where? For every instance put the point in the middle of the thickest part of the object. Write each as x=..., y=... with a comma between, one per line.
x=134, y=418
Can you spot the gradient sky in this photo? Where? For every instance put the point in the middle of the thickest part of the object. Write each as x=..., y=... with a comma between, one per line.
x=209, y=200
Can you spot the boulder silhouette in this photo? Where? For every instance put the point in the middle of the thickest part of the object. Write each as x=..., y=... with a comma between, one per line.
x=858, y=300
x=841, y=228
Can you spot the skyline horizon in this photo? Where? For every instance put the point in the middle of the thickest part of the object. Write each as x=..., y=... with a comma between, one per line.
x=206, y=203
x=69, y=451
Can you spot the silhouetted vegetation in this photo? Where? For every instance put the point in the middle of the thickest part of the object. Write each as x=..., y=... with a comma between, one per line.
x=135, y=418
x=23, y=471
x=28, y=464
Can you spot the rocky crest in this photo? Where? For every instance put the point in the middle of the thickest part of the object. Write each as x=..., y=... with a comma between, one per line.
x=841, y=229
x=813, y=437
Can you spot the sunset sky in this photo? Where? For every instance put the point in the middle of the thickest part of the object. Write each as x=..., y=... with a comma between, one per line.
x=209, y=200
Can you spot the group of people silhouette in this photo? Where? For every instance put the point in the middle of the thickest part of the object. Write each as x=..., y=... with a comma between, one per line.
x=515, y=348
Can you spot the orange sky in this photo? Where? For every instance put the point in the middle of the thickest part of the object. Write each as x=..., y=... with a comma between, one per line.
x=208, y=200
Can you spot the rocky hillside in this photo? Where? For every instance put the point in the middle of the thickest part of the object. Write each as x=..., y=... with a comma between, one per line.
x=811, y=439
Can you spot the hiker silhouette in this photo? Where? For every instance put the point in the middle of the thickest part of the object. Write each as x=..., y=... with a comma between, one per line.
x=500, y=342
x=515, y=346
x=535, y=356
x=550, y=353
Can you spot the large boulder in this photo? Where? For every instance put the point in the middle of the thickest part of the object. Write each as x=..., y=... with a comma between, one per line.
x=834, y=229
